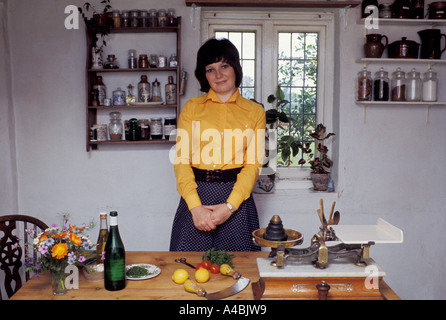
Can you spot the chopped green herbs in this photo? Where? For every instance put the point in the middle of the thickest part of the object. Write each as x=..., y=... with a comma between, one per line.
x=137, y=272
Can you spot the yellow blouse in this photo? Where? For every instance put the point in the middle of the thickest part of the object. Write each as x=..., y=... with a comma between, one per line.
x=212, y=135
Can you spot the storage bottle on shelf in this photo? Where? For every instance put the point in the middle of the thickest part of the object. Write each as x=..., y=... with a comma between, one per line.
x=130, y=98
x=102, y=90
x=134, y=133
x=430, y=86
x=398, y=85
x=364, y=85
x=156, y=91
x=114, y=263
x=144, y=93
x=171, y=92
x=102, y=238
x=413, y=86
x=381, y=86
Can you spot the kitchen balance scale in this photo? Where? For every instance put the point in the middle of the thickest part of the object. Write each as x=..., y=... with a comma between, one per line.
x=336, y=265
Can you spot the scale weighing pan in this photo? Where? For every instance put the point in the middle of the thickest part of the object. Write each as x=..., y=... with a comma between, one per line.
x=382, y=232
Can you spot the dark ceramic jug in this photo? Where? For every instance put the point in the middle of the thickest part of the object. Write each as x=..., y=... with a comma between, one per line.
x=374, y=46
x=431, y=43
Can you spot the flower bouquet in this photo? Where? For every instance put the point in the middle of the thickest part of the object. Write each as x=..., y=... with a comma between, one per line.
x=59, y=248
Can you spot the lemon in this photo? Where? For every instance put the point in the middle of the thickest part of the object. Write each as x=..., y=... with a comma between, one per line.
x=180, y=275
x=202, y=275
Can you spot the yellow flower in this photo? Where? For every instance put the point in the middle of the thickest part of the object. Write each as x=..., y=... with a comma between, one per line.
x=59, y=251
x=75, y=239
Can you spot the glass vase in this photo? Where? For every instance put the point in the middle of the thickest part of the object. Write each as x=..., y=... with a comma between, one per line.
x=58, y=281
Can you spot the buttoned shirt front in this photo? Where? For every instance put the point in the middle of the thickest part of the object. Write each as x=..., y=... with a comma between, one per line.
x=214, y=135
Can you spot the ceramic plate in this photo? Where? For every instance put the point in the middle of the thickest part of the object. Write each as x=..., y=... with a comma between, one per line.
x=152, y=270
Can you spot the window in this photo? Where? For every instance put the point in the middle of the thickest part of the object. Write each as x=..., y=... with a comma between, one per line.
x=293, y=50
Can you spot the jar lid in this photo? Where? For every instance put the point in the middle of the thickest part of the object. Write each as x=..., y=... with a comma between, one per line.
x=413, y=73
x=155, y=119
x=381, y=73
x=430, y=73
x=170, y=118
x=115, y=115
x=398, y=73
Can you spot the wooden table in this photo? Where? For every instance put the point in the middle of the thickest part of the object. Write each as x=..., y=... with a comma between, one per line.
x=161, y=287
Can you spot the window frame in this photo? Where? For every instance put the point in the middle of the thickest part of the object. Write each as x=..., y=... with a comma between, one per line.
x=267, y=24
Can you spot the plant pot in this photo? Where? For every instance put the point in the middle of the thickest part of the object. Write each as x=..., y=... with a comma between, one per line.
x=320, y=181
x=265, y=184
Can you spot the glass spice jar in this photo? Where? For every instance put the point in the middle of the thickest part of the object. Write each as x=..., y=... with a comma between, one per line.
x=430, y=85
x=144, y=129
x=115, y=127
x=162, y=18
x=171, y=19
x=413, y=86
x=153, y=19
x=125, y=19
x=144, y=18
x=134, y=18
x=364, y=85
x=381, y=86
x=143, y=61
x=116, y=18
x=156, y=128
x=170, y=125
x=153, y=60
x=398, y=85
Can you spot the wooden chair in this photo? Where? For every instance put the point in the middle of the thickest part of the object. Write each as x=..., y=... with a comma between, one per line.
x=12, y=231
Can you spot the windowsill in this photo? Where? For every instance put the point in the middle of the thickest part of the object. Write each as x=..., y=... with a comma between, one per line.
x=296, y=187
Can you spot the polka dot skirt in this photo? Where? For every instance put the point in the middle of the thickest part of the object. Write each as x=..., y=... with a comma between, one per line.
x=235, y=234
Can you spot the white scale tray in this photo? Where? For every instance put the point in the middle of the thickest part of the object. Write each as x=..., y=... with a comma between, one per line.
x=382, y=232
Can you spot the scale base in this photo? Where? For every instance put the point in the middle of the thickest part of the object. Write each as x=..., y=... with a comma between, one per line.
x=306, y=289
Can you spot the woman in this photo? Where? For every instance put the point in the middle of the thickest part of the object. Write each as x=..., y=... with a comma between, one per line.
x=220, y=146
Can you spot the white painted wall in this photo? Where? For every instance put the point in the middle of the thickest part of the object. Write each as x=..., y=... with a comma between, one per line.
x=387, y=167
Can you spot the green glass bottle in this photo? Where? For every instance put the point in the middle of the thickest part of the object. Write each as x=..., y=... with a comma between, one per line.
x=114, y=263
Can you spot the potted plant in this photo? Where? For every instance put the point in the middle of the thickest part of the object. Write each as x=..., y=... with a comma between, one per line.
x=319, y=175
x=99, y=17
x=274, y=116
x=96, y=23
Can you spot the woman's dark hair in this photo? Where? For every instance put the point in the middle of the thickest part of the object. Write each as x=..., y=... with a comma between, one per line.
x=215, y=50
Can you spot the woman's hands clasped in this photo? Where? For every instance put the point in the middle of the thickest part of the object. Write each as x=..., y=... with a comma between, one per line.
x=207, y=218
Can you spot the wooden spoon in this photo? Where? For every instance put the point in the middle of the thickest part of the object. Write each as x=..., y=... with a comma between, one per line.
x=336, y=217
x=330, y=218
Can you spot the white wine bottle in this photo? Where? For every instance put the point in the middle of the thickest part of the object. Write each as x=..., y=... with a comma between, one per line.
x=114, y=263
x=102, y=238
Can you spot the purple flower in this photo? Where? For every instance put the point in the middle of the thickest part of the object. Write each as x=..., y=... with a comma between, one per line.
x=37, y=276
x=54, y=225
x=43, y=249
x=38, y=266
x=81, y=259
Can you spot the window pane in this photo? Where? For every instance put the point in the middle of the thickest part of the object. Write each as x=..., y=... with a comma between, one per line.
x=245, y=42
x=297, y=76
